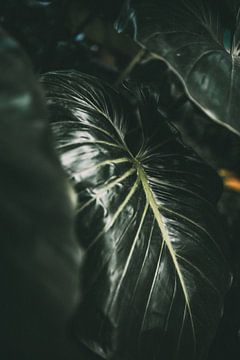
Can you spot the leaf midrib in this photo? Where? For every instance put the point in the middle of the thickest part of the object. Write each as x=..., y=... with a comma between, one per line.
x=150, y=198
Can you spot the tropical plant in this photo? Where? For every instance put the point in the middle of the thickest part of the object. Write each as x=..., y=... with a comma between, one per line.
x=192, y=38
x=159, y=258
x=156, y=270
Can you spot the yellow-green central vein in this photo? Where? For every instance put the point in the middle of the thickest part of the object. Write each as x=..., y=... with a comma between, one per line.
x=165, y=236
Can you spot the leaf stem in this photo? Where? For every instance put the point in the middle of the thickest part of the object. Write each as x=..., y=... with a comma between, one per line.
x=137, y=58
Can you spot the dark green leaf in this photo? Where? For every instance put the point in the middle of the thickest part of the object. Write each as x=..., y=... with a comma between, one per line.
x=40, y=258
x=215, y=144
x=191, y=37
x=156, y=274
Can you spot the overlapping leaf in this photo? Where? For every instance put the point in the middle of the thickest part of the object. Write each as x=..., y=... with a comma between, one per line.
x=156, y=273
x=40, y=258
x=190, y=36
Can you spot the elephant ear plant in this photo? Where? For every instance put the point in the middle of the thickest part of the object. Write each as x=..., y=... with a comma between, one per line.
x=198, y=46
x=99, y=169
x=156, y=269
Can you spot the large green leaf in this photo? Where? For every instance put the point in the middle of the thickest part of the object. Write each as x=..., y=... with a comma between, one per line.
x=190, y=36
x=156, y=273
x=40, y=258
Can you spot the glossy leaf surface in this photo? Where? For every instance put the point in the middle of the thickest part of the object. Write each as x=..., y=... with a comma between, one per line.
x=190, y=36
x=40, y=258
x=155, y=274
